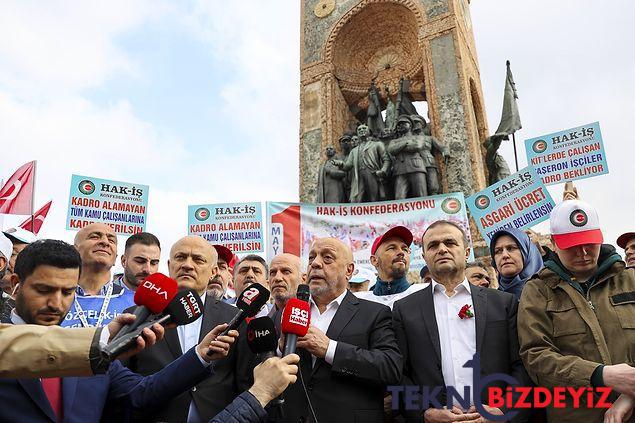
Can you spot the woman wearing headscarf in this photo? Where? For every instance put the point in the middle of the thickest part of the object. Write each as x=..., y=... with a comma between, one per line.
x=515, y=258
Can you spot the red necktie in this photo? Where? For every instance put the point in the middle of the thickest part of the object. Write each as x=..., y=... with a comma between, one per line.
x=53, y=390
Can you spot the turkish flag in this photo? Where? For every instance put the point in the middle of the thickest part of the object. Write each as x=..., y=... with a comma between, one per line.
x=16, y=196
x=34, y=225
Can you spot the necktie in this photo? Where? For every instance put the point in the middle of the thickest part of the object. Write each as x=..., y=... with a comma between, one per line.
x=53, y=390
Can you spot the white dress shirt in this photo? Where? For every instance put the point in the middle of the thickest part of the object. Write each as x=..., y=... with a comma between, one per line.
x=457, y=336
x=322, y=321
x=188, y=337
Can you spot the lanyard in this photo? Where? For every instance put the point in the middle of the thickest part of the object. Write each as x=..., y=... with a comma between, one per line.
x=102, y=313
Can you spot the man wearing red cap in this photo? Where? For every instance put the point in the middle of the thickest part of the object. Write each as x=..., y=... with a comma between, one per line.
x=390, y=255
x=627, y=242
x=576, y=321
x=217, y=286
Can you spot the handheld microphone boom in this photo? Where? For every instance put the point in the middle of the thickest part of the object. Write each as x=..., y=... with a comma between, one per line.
x=296, y=319
x=151, y=297
x=185, y=307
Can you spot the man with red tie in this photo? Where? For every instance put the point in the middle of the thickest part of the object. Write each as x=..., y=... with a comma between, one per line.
x=47, y=273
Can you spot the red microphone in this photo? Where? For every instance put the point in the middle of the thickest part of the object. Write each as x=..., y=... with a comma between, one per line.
x=296, y=319
x=152, y=297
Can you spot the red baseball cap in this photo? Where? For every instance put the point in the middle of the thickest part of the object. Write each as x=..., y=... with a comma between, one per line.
x=224, y=253
x=400, y=232
x=624, y=238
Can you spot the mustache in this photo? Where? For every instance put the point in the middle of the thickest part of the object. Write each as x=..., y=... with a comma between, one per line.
x=50, y=310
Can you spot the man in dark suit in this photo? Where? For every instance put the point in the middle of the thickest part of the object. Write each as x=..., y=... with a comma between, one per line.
x=193, y=263
x=442, y=326
x=349, y=354
x=46, y=274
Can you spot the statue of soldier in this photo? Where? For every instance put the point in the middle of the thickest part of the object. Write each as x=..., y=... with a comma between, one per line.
x=496, y=164
x=346, y=145
x=408, y=169
x=430, y=145
x=369, y=163
x=330, y=188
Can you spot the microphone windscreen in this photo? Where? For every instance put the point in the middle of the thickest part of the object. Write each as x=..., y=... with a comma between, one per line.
x=296, y=317
x=303, y=292
x=155, y=292
x=261, y=335
x=185, y=307
x=252, y=299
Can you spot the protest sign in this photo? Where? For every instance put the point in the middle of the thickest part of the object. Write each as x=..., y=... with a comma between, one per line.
x=518, y=201
x=293, y=226
x=120, y=205
x=575, y=153
x=237, y=226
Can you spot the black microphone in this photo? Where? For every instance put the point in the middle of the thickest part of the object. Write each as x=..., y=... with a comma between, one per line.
x=263, y=341
x=261, y=338
x=185, y=307
x=303, y=293
x=249, y=302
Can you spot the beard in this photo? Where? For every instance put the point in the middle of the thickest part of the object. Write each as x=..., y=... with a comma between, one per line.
x=398, y=272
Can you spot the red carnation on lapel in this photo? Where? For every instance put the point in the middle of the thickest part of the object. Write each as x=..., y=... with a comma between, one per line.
x=465, y=312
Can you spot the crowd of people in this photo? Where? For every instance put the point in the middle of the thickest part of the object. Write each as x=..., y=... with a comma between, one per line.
x=547, y=317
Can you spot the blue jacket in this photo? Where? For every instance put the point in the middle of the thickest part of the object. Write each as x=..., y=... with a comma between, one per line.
x=244, y=409
x=84, y=398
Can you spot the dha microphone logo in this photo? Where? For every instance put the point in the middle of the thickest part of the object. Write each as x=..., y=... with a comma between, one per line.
x=86, y=187
x=299, y=316
x=156, y=289
x=250, y=295
x=201, y=213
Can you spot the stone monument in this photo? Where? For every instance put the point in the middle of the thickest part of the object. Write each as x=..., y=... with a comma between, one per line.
x=423, y=50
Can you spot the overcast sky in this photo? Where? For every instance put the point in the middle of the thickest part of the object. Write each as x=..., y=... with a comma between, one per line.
x=200, y=99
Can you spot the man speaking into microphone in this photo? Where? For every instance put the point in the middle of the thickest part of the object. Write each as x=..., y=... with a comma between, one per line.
x=192, y=263
x=349, y=353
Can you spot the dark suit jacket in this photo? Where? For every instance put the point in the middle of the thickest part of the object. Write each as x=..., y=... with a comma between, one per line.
x=366, y=360
x=496, y=340
x=85, y=398
x=232, y=375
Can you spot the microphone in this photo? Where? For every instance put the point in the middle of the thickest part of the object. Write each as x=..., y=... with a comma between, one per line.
x=303, y=292
x=152, y=296
x=261, y=337
x=185, y=307
x=296, y=318
x=249, y=302
x=263, y=341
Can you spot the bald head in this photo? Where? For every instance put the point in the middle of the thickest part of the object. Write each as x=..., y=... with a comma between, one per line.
x=284, y=277
x=192, y=263
x=97, y=245
x=330, y=267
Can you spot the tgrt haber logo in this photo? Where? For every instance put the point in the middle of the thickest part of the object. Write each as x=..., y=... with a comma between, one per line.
x=86, y=187
x=250, y=294
x=299, y=316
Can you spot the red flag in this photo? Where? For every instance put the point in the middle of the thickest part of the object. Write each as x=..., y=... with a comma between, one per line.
x=16, y=196
x=38, y=219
